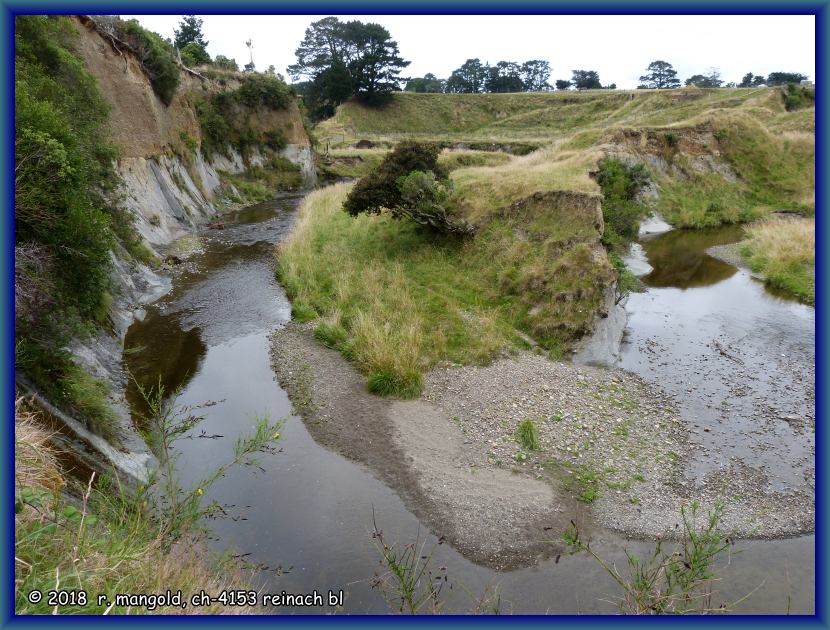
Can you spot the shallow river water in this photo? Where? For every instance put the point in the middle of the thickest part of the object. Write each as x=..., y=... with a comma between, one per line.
x=304, y=517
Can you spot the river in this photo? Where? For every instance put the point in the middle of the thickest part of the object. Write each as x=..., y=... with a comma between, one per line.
x=303, y=518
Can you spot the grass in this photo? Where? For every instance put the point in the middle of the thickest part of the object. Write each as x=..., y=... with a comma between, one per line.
x=784, y=251
x=93, y=536
x=669, y=582
x=396, y=299
x=527, y=435
x=747, y=132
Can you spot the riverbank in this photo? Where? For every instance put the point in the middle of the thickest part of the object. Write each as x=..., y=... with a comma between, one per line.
x=612, y=451
x=780, y=251
x=88, y=535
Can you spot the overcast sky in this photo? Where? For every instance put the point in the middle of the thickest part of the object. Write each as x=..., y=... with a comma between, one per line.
x=619, y=47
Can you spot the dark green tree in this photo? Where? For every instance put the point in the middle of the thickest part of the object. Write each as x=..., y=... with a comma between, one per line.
x=711, y=80
x=535, y=75
x=562, y=84
x=429, y=83
x=376, y=63
x=660, y=75
x=194, y=54
x=783, y=78
x=190, y=30
x=470, y=78
x=333, y=50
x=505, y=76
x=586, y=79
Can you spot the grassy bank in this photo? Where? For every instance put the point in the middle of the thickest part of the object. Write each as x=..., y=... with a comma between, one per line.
x=784, y=251
x=76, y=535
x=397, y=299
x=715, y=155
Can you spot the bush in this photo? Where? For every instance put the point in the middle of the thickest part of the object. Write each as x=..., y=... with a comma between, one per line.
x=410, y=183
x=194, y=54
x=223, y=124
x=620, y=184
x=263, y=90
x=224, y=63
x=157, y=56
x=797, y=97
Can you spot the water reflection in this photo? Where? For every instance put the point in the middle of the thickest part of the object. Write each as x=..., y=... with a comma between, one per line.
x=158, y=349
x=680, y=260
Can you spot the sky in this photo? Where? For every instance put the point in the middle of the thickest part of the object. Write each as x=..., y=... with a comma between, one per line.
x=619, y=47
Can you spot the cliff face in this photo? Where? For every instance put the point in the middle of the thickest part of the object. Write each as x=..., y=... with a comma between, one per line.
x=168, y=184
x=170, y=188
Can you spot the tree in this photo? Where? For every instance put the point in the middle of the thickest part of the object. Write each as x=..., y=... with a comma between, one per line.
x=505, y=76
x=224, y=63
x=535, y=74
x=334, y=53
x=562, y=84
x=189, y=31
x=329, y=88
x=751, y=80
x=711, y=80
x=586, y=80
x=376, y=63
x=469, y=78
x=250, y=67
x=783, y=78
x=429, y=83
x=194, y=54
x=660, y=76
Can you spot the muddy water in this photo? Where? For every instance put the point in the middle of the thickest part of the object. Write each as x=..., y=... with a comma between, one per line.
x=304, y=516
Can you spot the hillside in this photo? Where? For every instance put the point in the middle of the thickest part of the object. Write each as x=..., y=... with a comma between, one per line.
x=536, y=271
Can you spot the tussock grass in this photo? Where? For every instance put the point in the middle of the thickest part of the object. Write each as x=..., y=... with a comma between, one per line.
x=93, y=537
x=527, y=435
x=784, y=251
x=407, y=298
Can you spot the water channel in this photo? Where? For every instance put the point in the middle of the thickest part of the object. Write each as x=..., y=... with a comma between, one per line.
x=304, y=517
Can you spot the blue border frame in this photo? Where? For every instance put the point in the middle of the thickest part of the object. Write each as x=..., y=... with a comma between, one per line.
x=819, y=8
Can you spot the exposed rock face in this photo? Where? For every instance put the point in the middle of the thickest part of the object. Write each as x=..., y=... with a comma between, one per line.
x=171, y=189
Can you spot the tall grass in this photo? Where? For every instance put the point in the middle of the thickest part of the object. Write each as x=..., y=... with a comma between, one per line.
x=99, y=537
x=94, y=536
x=675, y=581
x=784, y=251
x=396, y=299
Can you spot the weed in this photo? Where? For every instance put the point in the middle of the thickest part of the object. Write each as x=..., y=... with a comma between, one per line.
x=528, y=435
x=408, y=580
x=669, y=582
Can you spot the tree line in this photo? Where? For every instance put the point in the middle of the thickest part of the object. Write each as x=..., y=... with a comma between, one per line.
x=339, y=60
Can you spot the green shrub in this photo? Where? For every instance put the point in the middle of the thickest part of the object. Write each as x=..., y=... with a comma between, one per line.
x=194, y=54
x=796, y=97
x=395, y=384
x=528, y=435
x=225, y=63
x=620, y=184
x=330, y=335
x=410, y=183
x=265, y=91
x=156, y=55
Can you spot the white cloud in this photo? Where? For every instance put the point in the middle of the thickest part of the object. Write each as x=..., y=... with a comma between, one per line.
x=619, y=47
